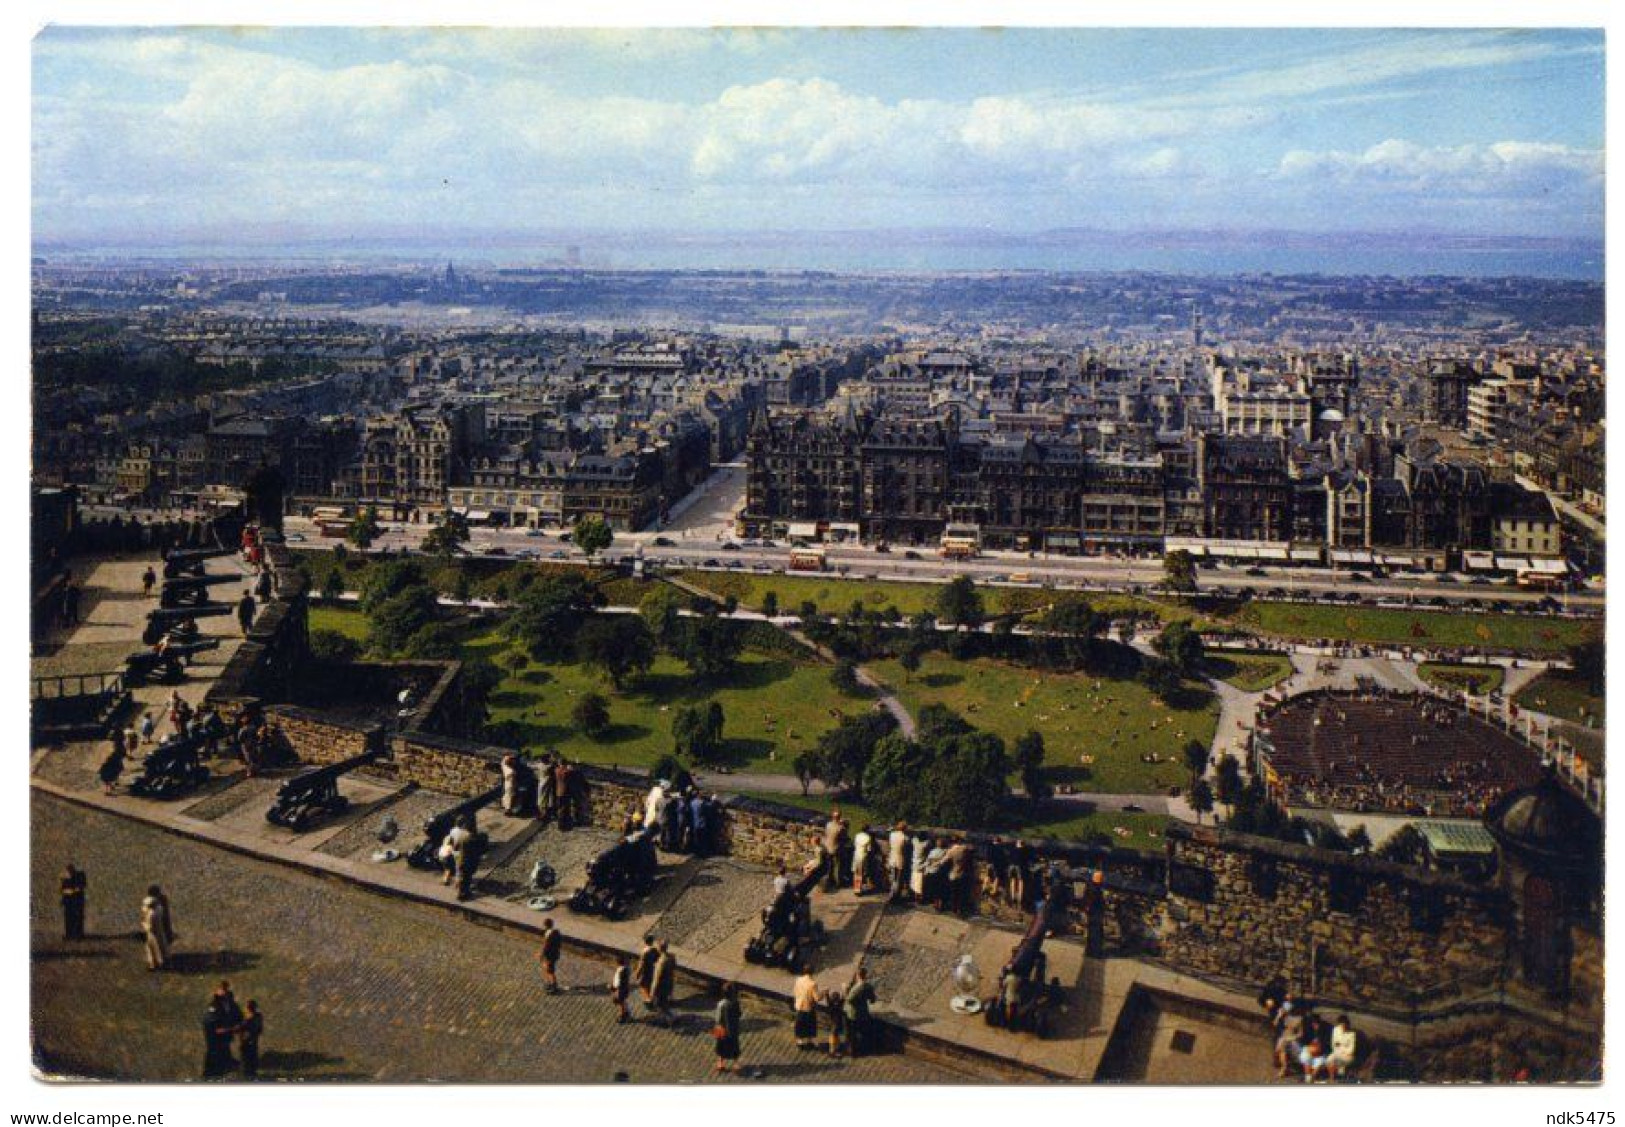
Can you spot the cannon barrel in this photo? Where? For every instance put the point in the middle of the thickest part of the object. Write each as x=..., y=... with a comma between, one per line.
x=142, y=664
x=198, y=582
x=313, y=793
x=183, y=560
x=159, y=622
x=439, y=825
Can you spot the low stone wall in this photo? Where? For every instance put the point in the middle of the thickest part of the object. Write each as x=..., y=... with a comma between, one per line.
x=1353, y=928
x=318, y=738
x=445, y=763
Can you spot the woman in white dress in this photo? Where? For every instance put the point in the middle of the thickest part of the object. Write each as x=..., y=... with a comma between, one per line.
x=158, y=927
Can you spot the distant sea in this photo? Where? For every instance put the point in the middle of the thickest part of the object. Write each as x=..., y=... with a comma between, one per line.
x=1209, y=253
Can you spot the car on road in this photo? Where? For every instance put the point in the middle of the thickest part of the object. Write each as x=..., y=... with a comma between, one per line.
x=294, y=538
x=730, y=546
x=1254, y=571
x=1479, y=581
x=882, y=548
x=558, y=554
x=1446, y=577
x=911, y=554
x=534, y=532
x=564, y=536
x=527, y=554
x=665, y=542
x=710, y=563
x=495, y=550
x=1359, y=577
x=1132, y=808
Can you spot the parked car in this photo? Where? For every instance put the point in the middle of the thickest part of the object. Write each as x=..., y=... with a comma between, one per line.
x=534, y=532
x=911, y=554
x=558, y=554
x=665, y=542
x=710, y=563
x=496, y=550
x=1256, y=571
x=730, y=546
x=882, y=547
x=294, y=538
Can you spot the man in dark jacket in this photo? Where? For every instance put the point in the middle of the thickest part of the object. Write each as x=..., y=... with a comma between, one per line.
x=220, y=1022
x=74, y=885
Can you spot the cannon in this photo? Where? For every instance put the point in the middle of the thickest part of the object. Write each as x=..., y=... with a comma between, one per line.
x=789, y=933
x=617, y=876
x=314, y=794
x=172, y=769
x=192, y=590
x=182, y=562
x=161, y=622
x=151, y=665
x=437, y=827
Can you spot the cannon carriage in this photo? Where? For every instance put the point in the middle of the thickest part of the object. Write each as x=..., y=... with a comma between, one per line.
x=437, y=826
x=313, y=795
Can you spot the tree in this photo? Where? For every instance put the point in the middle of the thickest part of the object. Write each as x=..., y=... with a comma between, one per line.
x=618, y=645
x=462, y=589
x=593, y=535
x=661, y=612
x=364, y=529
x=591, y=715
x=909, y=659
x=435, y=642
x=332, y=586
x=696, y=733
x=1067, y=632
x=1201, y=799
x=1179, y=571
x=710, y=645
x=447, y=538
x=770, y=604
x=959, y=602
x=843, y=753
x=550, y=614
x=1160, y=677
x=804, y=765
x=1359, y=840
x=1589, y=660
x=330, y=645
x=809, y=611
x=393, y=621
x=1228, y=773
x=1196, y=758
x=386, y=580
x=1029, y=757
x=952, y=775
x=1181, y=645
x=480, y=678
x=845, y=678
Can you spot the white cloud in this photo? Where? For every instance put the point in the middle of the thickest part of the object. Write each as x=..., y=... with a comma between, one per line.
x=1484, y=168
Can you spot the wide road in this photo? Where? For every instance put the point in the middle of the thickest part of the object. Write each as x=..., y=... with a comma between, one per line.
x=1066, y=572
x=354, y=986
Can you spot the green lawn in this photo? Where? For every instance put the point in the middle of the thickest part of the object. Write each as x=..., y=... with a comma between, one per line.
x=775, y=706
x=344, y=620
x=1524, y=633
x=1476, y=679
x=1114, y=722
x=1251, y=671
x=1559, y=693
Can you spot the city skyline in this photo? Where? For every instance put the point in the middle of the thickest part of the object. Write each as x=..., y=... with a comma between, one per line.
x=160, y=134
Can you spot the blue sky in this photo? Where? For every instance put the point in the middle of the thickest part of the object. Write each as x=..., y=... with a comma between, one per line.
x=174, y=133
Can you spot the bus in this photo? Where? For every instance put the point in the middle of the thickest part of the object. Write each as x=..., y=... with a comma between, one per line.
x=807, y=559
x=1542, y=581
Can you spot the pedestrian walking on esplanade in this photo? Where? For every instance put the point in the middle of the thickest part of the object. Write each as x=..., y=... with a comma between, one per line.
x=726, y=1029
x=157, y=927
x=220, y=1023
x=245, y=611
x=552, y=947
x=70, y=603
x=643, y=970
x=806, y=1009
x=248, y=1039
x=620, y=989
x=149, y=579
x=664, y=980
x=113, y=766
x=74, y=886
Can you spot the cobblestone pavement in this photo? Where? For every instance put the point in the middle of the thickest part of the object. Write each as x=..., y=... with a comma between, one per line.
x=355, y=986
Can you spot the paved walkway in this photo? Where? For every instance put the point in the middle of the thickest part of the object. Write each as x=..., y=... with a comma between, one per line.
x=354, y=986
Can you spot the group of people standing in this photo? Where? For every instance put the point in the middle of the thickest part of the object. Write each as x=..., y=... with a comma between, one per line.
x=223, y=1021
x=552, y=789
x=687, y=820
x=848, y=1022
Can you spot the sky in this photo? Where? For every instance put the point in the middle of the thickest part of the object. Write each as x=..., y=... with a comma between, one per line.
x=175, y=133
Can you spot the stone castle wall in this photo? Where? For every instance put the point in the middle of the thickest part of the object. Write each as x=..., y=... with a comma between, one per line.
x=1358, y=929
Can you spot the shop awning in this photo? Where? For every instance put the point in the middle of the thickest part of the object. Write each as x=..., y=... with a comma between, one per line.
x=1511, y=563
x=1272, y=553
x=1479, y=561
x=805, y=531
x=1549, y=567
x=1350, y=555
x=1310, y=554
